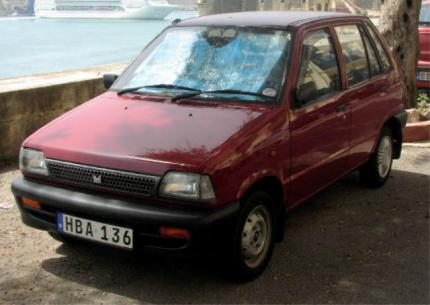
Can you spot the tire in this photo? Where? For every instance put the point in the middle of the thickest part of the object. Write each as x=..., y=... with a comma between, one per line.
x=254, y=237
x=375, y=172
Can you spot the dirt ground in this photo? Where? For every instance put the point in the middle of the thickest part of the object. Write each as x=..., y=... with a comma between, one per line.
x=346, y=245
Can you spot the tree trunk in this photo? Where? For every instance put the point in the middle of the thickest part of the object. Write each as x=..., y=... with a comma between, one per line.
x=399, y=26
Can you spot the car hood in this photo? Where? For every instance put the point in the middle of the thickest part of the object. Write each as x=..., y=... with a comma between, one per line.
x=143, y=134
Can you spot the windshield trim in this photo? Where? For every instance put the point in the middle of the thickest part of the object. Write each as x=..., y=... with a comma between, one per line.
x=278, y=100
x=206, y=100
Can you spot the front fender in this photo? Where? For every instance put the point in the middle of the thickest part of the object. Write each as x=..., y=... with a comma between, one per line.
x=255, y=177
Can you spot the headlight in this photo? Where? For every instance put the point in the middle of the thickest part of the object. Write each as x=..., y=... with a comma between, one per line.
x=187, y=186
x=32, y=161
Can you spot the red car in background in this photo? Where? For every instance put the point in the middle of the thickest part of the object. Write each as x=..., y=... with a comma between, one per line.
x=423, y=69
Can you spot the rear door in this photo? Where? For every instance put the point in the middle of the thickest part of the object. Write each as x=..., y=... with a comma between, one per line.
x=368, y=87
x=320, y=119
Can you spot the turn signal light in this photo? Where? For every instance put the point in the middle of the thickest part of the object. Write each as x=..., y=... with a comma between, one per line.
x=34, y=204
x=175, y=232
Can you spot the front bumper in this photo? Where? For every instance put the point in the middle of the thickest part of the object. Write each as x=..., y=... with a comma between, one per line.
x=145, y=218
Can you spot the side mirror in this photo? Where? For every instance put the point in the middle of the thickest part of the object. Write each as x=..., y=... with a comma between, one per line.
x=299, y=99
x=109, y=79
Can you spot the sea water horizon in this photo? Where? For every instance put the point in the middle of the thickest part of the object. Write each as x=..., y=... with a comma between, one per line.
x=30, y=45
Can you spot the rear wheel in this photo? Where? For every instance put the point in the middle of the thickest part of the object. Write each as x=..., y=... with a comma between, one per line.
x=375, y=172
x=254, y=237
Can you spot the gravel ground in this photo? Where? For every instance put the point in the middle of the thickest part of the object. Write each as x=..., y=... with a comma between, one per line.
x=346, y=245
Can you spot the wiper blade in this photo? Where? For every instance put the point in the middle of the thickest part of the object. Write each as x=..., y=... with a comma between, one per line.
x=226, y=91
x=162, y=86
x=171, y=86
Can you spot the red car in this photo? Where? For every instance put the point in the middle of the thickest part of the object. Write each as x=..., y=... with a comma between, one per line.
x=423, y=69
x=221, y=125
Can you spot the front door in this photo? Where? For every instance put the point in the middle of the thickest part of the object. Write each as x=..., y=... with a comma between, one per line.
x=320, y=119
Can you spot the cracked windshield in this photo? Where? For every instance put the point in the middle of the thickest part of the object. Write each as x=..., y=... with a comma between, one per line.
x=212, y=58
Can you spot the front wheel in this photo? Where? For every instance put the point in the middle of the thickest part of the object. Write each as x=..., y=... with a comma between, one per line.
x=375, y=172
x=254, y=237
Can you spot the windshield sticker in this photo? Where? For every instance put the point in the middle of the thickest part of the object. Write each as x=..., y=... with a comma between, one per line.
x=270, y=92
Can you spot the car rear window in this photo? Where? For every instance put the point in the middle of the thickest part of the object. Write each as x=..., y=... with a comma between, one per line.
x=354, y=53
x=385, y=62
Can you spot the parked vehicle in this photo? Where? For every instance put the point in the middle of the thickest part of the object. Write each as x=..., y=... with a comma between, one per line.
x=221, y=125
x=423, y=69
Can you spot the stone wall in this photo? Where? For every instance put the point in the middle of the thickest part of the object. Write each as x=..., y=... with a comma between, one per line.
x=209, y=7
x=27, y=103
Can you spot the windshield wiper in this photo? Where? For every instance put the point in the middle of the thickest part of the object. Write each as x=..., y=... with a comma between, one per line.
x=162, y=86
x=227, y=91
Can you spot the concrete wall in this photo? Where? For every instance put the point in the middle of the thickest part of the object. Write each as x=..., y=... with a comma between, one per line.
x=209, y=7
x=27, y=103
x=249, y=5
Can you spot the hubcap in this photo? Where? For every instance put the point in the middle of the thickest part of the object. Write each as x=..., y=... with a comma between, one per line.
x=256, y=235
x=385, y=155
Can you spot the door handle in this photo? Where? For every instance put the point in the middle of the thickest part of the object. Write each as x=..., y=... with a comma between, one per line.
x=342, y=107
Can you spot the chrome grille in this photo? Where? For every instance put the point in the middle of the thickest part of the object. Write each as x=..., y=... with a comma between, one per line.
x=115, y=180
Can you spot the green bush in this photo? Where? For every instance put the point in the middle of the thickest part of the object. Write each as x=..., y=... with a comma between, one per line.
x=423, y=105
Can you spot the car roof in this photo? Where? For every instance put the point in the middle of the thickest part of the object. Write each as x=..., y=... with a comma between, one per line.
x=264, y=18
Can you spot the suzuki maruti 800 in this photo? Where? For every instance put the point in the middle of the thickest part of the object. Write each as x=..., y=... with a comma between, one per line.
x=220, y=126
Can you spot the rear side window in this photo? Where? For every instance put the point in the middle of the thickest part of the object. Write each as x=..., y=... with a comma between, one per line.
x=371, y=54
x=319, y=70
x=385, y=62
x=354, y=53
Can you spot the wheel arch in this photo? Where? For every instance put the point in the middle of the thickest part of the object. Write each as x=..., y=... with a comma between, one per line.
x=396, y=126
x=273, y=186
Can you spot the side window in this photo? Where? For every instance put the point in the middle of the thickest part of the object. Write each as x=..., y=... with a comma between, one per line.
x=319, y=70
x=354, y=53
x=385, y=62
x=371, y=54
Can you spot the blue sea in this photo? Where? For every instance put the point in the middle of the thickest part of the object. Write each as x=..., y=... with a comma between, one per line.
x=36, y=45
